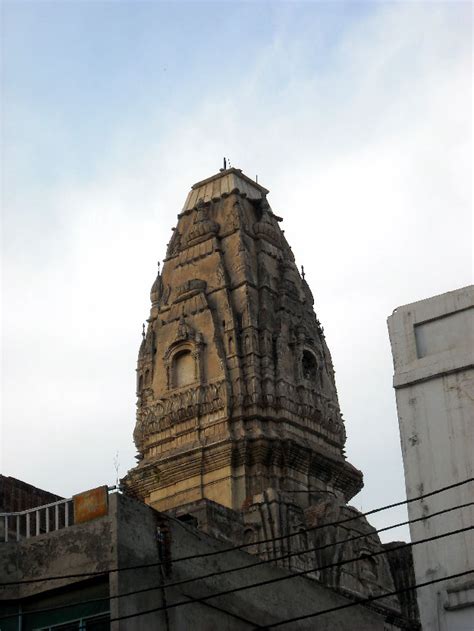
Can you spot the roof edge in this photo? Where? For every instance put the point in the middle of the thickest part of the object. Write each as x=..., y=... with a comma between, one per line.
x=224, y=172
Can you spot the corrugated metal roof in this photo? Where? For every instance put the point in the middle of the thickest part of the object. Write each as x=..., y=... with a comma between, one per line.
x=223, y=182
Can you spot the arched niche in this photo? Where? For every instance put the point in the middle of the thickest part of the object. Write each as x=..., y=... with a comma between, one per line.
x=368, y=569
x=183, y=362
x=309, y=366
x=184, y=369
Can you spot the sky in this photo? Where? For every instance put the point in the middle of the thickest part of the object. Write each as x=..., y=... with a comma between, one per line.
x=356, y=116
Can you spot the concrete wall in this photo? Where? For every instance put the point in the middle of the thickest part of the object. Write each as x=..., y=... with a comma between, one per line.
x=77, y=549
x=249, y=608
x=433, y=353
x=130, y=535
x=125, y=537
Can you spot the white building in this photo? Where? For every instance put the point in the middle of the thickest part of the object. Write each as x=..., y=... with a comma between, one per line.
x=433, y=353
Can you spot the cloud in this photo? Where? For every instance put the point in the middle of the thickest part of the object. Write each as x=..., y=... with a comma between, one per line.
x=367, y=157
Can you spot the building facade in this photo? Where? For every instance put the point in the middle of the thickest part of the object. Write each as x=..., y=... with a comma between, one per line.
x=121, y=570
x=433, y=353
x=240, y=443
x=238, y=426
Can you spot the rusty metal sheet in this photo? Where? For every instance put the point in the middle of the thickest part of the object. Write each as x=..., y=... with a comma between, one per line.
x=91, y=504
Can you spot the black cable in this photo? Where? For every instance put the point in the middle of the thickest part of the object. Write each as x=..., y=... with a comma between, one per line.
x=278, y=579
x=308, y=550
x=361, y=601
x=244, y=545
x=229, y=613
x=285, y=578
x=250, y=565
x=328, y=524
x=92, y=623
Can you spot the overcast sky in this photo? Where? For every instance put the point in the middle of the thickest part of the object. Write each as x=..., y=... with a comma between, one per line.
x=356, y=116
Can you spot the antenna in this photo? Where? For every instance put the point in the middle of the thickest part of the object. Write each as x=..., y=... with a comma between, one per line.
x=256, y=179
x=117, y=467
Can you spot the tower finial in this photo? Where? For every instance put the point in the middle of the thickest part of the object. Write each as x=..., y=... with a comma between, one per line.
x=159, y=266
x=143, y=330
x=225, y=164
x=302, y=272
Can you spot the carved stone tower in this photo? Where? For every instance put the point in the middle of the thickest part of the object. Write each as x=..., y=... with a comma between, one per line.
x=238, y=421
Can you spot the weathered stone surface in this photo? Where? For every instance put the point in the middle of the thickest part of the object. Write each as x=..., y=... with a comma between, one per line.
x=403, y=572
x=237, y=402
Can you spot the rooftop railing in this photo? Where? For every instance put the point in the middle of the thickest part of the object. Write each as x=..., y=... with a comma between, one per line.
x=36, y=521
x=39, y=520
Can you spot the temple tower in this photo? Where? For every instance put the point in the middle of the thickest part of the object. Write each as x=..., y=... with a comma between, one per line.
x=238, y=420
x=236, y=389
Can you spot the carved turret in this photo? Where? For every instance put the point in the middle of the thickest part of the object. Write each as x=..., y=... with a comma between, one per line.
x=237, y=402
x=233, y=282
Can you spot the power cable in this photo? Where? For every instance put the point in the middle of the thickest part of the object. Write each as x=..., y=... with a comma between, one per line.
x=328, y=524
x=250, y=565
x=229, y=613
x=286, y=578
x=281, y=578
x=244, y=545
x=361, y=601
x=93, y=623
x=276, y=579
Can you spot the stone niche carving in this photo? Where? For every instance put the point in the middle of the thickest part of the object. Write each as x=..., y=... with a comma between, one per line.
x=183, y=358
x=355, y=542
x=312, y=549
x=309, y=366
x=183, y=368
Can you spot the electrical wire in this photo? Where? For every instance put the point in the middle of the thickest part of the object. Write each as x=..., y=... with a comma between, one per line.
x=250, y=565
x=244, y=545
x=328, y=524
x=361, y=601
x=278, y=579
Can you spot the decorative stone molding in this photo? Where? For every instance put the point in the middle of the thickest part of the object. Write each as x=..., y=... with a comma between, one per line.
x=192, y=402
x=174, y=245
x=203, y=227
x=190, y=288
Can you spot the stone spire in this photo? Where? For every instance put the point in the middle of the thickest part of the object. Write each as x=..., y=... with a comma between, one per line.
x=253, y=404
x=237, y=403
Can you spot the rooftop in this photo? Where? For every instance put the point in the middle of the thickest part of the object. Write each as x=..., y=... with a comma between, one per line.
x=224, y=182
